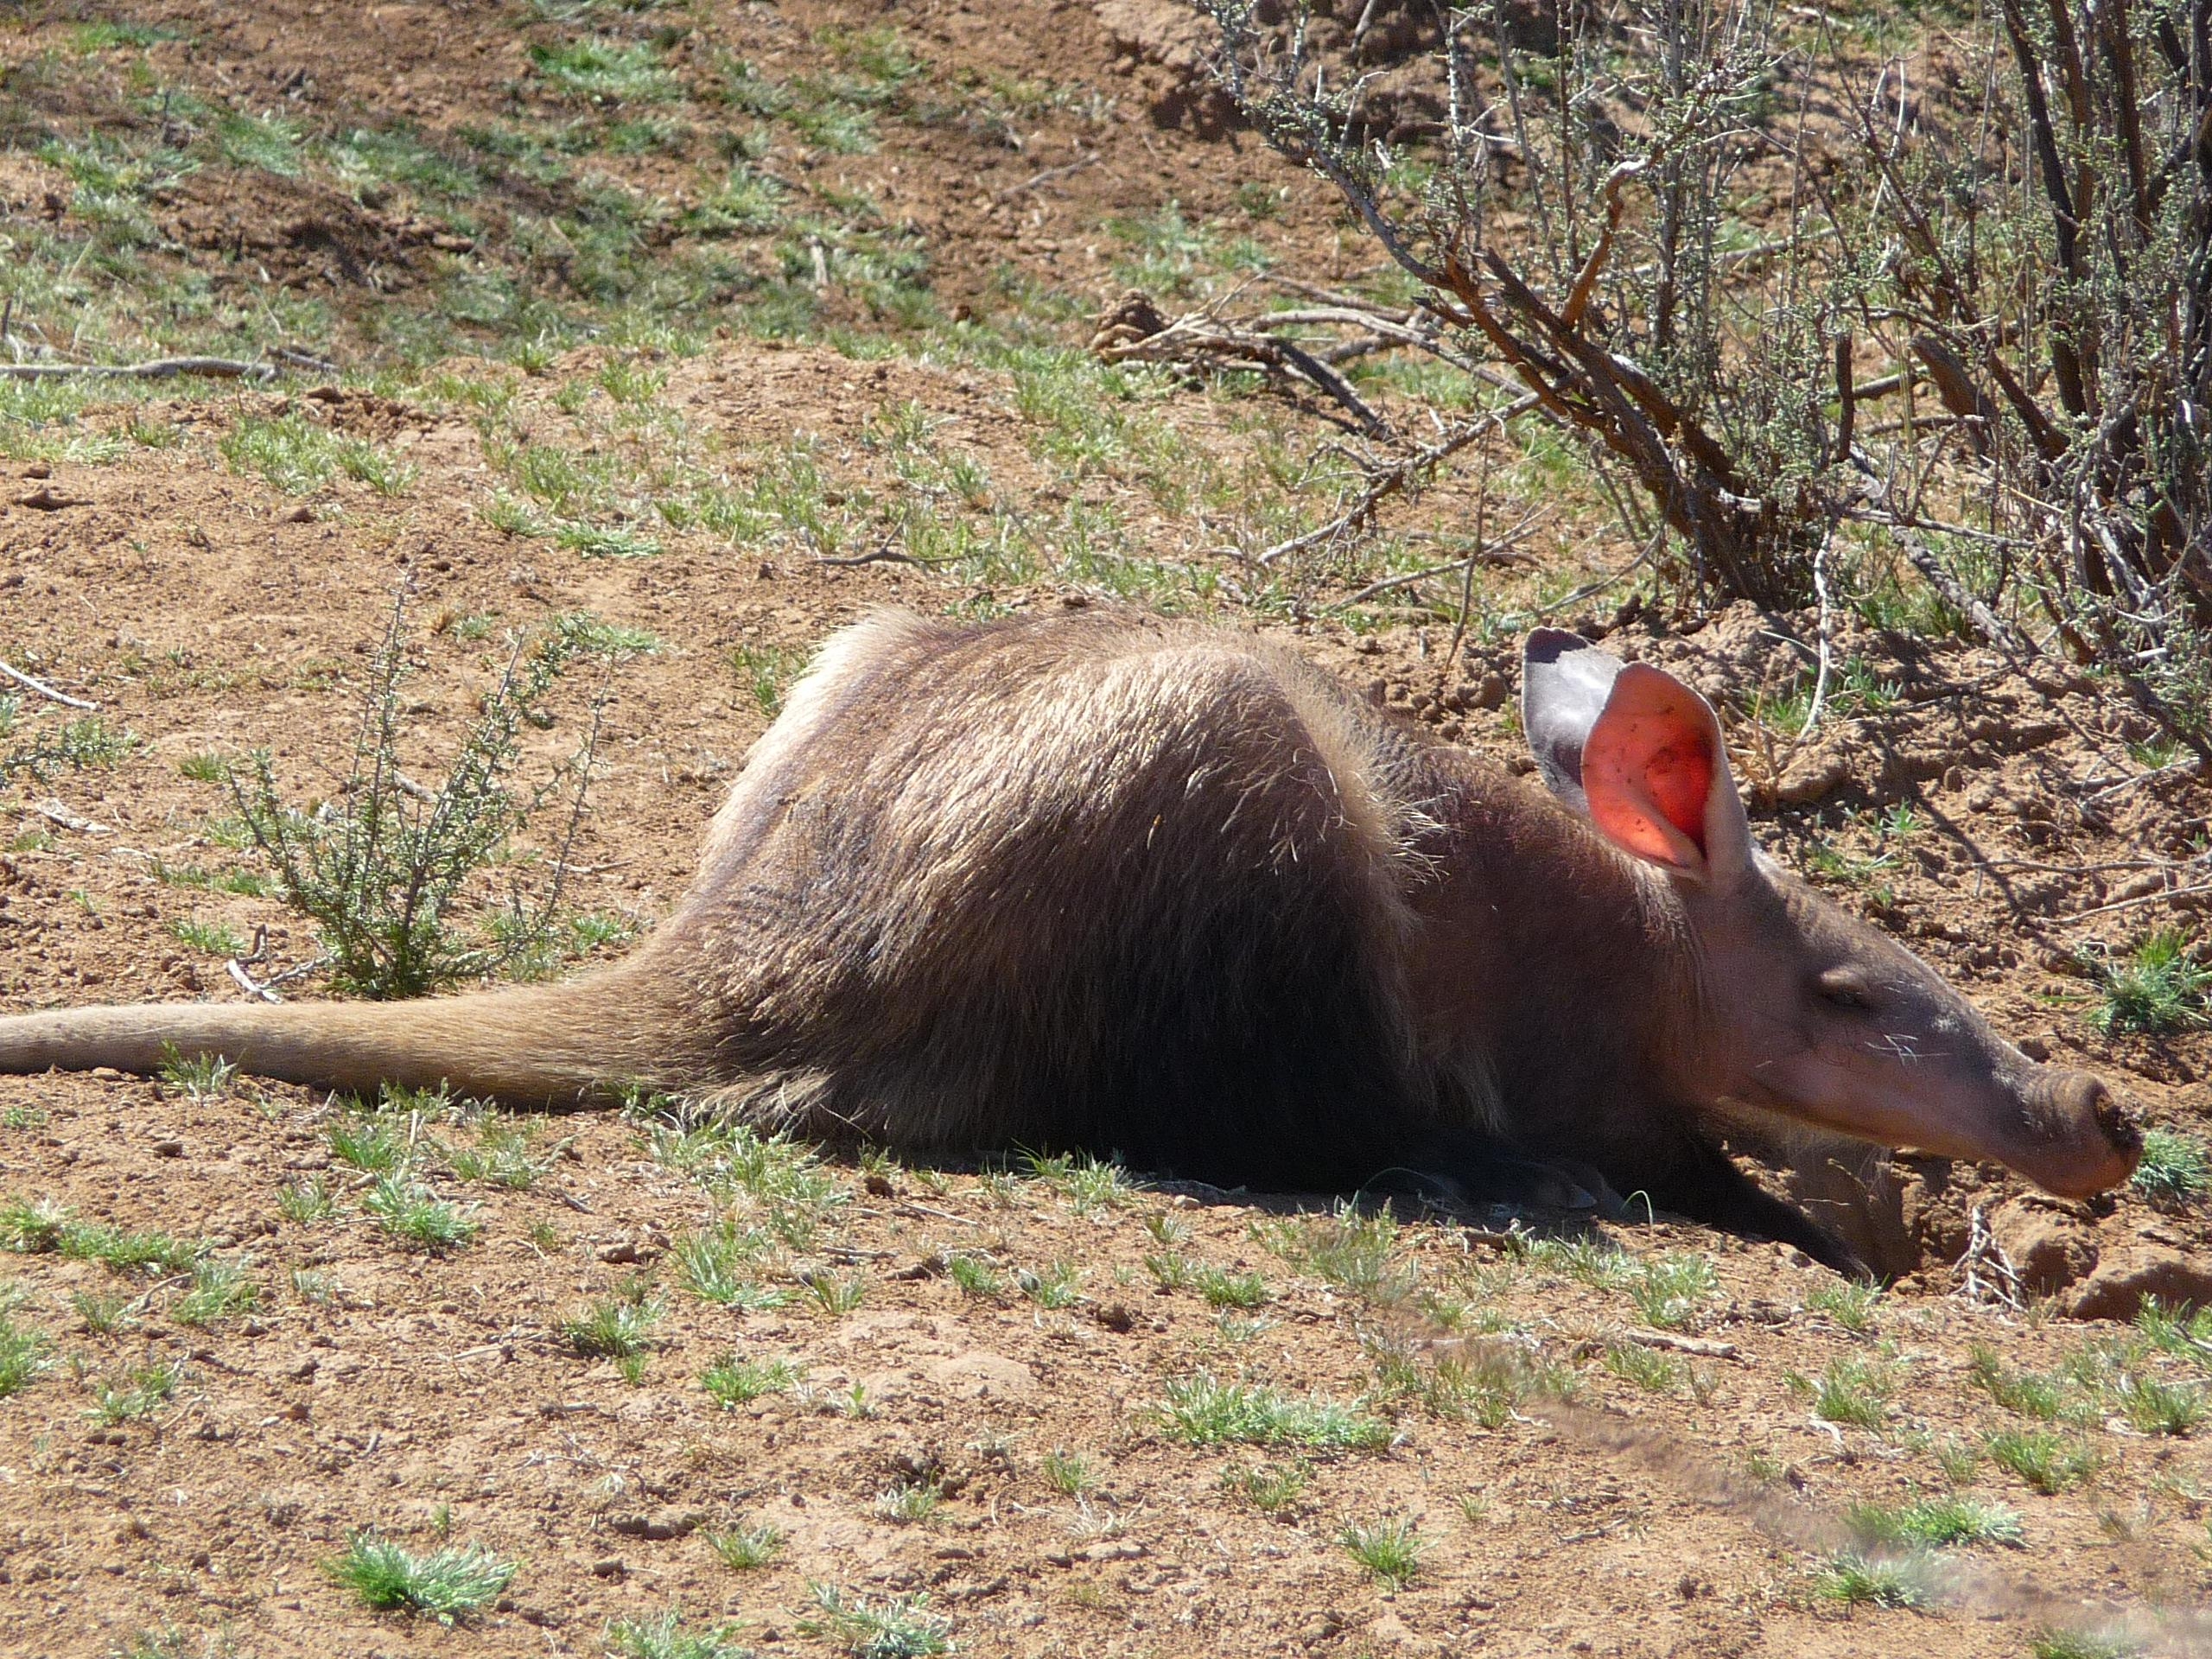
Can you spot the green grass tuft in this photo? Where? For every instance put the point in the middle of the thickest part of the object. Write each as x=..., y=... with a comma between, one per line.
x=449, y=1584
x=2080, y=1644
x=1850, y=1390
x=1877, y=1581
x=2048, y=1462
x=1268, y=1487
x=2175, y=1168
x=1939, y=1522
x=614, y=1328
x=1388, y=1549
x=1067, y=1474
x=23, y=1356
x=666, y=1638
x=2158, y=988
x=221, y=1290
x=1057, y=1286
x=143, y=1392
x=413, y=1214
x=1847, y=1301
x=734, y=1383
x=1222, y=1289
x=1200, y=1411
x=747, y=1548
x=895, y=1628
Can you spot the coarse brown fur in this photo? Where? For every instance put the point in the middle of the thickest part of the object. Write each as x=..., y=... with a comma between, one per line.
x=1098, y=881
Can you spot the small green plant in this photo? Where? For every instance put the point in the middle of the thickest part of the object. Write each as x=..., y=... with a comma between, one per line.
x=612, y=1328
x=219, y=1290
x=1851, y=1390
x=366, y=463
x=1480, y=1385
x=1937, y=1522
x=104, y=1316
x=1268, y=1487
x=2080, y=1644
x=384, y=868
x=766, y=671
x=1057, y=1286
x=1667, y=1289
x=897, y=1627
x=120, y=1251
x=746, y=1548
x=140, y=1394
x=23, y=1356
x=1388, y=1549
x=1068, y=1474
x=1847, y=1301
x=2047, y=1461
x=1222, y=1289
x=2153, y=1406
x=290, y=451
x=32, y=1226
x=835, y=1295
x=734, y=1383
x=2174, y=1169
x=1959, y=1460
x=666, y=1638
x=1201, y=1411
x=90, y=741
x=2157, y=989
x=913, y=1501
x=974, y=1277
x=1171, y=1270
x=2046, y=1397
x=600, y=70
x=2183, y=1333
x=413, y=1214
x=307, y=1202
x=1644, y=1367
x=449, y=1584
x=1167, y=1231
x=1878, y=1581
x=720, y=1266
x=209, y=939
x=201, y=1076
x=505, y=1155
x=1089, y=1183
x=371, y=1143
x=1352, y=1249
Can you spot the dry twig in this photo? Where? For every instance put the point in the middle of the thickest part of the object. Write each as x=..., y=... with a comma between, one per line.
x=1135, y=332
x=160, y=368
x=43, y=689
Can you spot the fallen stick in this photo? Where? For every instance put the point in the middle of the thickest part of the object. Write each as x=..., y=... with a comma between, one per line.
x=249, y=984
x=160, y=368
x=44, y=690
x=53, y=812
x=1699, y=1346
x=2139, y=899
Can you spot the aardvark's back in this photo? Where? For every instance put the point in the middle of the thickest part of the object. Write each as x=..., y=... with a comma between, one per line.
x=1094, y=881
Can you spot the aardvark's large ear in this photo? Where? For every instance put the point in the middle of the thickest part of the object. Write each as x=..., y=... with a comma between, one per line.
x=1637, y=751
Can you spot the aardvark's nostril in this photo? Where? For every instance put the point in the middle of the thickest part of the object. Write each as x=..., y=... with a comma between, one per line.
x=2082, y=1093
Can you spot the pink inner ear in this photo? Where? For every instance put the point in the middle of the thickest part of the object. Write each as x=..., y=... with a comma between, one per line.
x=1680, y=777
x=1647, y=768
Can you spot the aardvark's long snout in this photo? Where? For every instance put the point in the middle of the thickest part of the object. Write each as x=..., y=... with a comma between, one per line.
x=2075, y=1139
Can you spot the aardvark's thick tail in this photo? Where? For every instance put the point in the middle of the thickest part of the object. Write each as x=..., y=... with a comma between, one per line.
x=585, y=1038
